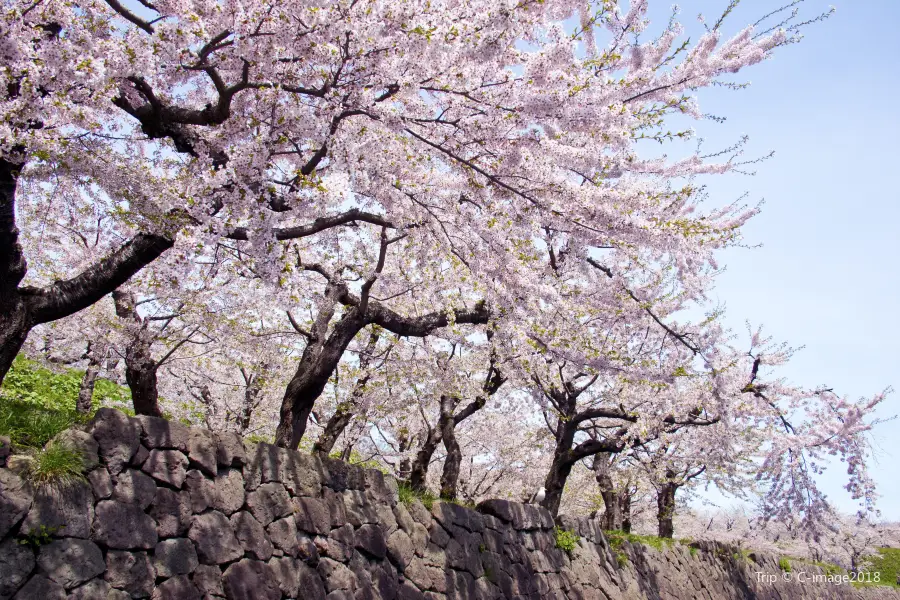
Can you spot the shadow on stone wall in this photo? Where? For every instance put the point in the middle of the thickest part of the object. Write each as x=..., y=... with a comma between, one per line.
x=172, y=513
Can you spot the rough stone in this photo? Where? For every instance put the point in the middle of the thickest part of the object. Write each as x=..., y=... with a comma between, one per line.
x=370, y=539
x=16, y=563
x=229, y=491
x=84, y=443
x=130, y=571
x=336, y=576
x=263, y=464
x=337, y=510
x=359, y=509
x=283, y=534
x=400, y=549
x=134, y=487
x=174, y=557
x=15, y=500
x=123, y=526
x=408, y=591
x=92, y=590
x=307, y=551
x=343, y=476
x=339, y=544
x=268, y=502
x=68, y=508
x=172, y=512
x=70, y=561
x=251, y=535
x=521, y=516
x=294, y=576
x=140, y=457
x=167, y=466
x=5, y=449
x=202, y=451
x=312, y=515
x=176, y=588
x=101, y=483
x=302, y=474
x=158, y=433
x=201, y=490
x=41, y=588
x=251, y=580
x=215, y=541
x=208, y=579
x=230, y=449
x=118, y=437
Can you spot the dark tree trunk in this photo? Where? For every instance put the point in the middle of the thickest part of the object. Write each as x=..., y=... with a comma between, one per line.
x=84, y=404
x=333, y=430
x=665, y=505
x=626, y=512
x=321, y=356
x=419, y=469
x=450, y=475
x=612, y=500
x=317, y=364
x=140, y=368
x=22, y=308
x=14, y=317
x=345, y=412
x=253, y=383
x=560, y=468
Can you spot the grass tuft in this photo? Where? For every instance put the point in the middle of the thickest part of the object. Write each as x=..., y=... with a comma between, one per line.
x=566, y=539
x=408, y=495
x=784, y=564
x=56, y=463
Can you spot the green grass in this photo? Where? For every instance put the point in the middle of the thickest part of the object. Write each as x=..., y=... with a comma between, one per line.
x=784, y=564
x=647, y=540
x=37, y=403
x=566, y=539
x=56, y=463
x=887, y=564
x=408, y=495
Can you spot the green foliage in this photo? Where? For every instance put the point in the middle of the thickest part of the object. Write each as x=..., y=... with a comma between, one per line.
x=38, y=403
x=255, y=438
x=359, y=460
x=55, y=463
x=887, y=564
x=647, y=540
x=784, y=564
x=693, y=550
x=408, y=495
x=566, y=539
x=38, y=536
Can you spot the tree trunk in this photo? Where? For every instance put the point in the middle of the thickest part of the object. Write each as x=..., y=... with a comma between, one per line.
x=252, y=391
x=665, y=504
x=626, y=512
x=612, y=501
x=345, y=411
x=560, y=468
x=419, y=469
x=14, y=317
x=140, y=368
x=317, y=364
x=450, y=476
x=84, y=404
x=23, y=308
x=333, y=430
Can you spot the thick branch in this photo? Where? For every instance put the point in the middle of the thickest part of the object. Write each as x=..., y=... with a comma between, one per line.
x=64, y=298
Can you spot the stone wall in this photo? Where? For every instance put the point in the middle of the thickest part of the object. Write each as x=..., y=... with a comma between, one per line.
x=172, y=513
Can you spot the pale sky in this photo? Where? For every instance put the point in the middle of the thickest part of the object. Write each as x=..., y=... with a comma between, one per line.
x=826, y=275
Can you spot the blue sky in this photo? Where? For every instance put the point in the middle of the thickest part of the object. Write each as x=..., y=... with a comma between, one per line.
x=826, y=276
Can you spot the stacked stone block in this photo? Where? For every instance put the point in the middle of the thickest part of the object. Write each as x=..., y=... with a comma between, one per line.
x=171, y=513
